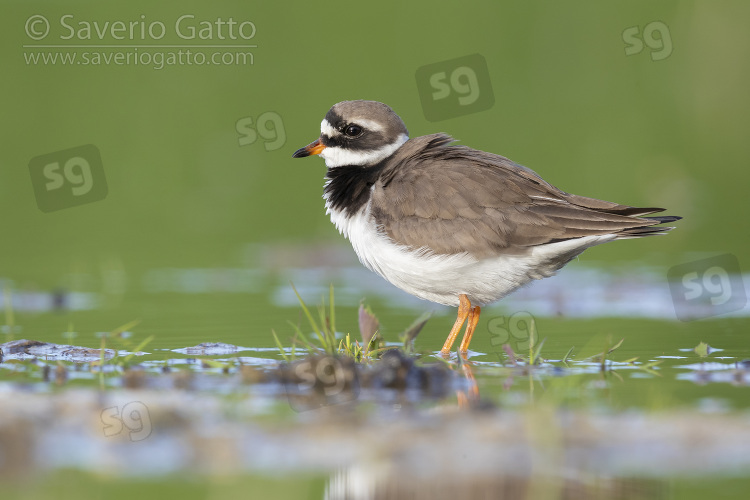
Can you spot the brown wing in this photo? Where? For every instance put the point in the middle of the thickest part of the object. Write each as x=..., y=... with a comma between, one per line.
x=455, y=199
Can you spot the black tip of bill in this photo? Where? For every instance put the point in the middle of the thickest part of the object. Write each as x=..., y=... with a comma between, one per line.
x=301, y=153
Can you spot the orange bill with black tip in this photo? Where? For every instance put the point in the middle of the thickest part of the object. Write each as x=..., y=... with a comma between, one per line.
x=314, y=148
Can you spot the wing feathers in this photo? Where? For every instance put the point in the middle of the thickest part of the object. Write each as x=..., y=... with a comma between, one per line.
x=449, y=199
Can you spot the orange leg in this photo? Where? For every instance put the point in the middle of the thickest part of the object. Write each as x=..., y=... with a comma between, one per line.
x=471, y=325
x=464, y=309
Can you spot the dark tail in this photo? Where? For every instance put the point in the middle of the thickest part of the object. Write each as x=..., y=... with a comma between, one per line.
x=650, y=228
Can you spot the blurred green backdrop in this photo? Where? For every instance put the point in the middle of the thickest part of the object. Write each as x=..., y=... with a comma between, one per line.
x=184, y=193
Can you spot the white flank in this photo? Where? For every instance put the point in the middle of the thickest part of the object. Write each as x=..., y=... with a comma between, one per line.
x=441, y=278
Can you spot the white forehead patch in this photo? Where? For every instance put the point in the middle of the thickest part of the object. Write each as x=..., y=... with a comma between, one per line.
x=326, y=129
x=335, y=156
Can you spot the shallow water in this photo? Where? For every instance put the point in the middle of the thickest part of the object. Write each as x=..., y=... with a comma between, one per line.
x=614, y=428
x=202, y=226
x=208, y=395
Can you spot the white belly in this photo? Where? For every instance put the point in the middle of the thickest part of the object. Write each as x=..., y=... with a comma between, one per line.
x=442, y=278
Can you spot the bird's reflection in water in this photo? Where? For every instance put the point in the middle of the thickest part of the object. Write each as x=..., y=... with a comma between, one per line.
x=385, y=481
x=468, y=396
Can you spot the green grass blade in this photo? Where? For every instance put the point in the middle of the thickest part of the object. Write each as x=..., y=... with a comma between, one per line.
x=280, y=346
x=382, y=349
x=537, y=351
x=323, y=329
x=567, y=355
x=310, y=318
x=302, y=339
x=124, y=328
x=616, y=345
x=138, y=348
x=410, y=334
x=143, y=344
x=329, y=337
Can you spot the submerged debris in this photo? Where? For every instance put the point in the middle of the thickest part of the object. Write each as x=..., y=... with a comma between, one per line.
x=319, y=380
x=61, y=374
x=252, y=375
x=30, y=349
x=183, y=379
x=134, y=378
x=19, y=346
x=398, y=371
x=210, y=349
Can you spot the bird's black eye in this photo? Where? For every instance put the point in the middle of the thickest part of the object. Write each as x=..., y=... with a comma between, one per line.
x=353, y=130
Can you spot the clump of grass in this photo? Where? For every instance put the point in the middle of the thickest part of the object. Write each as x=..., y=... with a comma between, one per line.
x=122, y=343
x=533, y=358
x=123, y=362
x=604, y=358
x=117, y=336
x=702, y=350
x=324, y=340
x=566, y=359
x=600, y=358
x=609, y=348
x=324, y=328
x=360, y=353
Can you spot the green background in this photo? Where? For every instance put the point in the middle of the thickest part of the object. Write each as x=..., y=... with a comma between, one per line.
x=184, y=194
